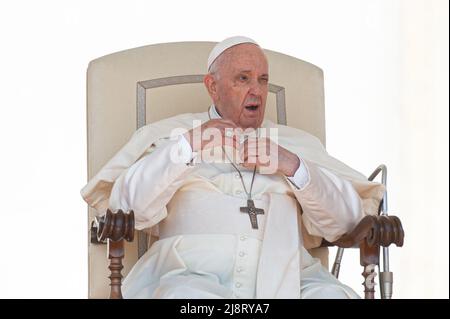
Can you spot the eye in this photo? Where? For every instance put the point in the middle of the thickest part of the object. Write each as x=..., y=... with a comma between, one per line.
x=264, y=80
x=243, y=77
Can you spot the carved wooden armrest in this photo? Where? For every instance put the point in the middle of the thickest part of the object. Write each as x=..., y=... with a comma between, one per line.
x=373, y=230
x=113, y=229
x=371, y=233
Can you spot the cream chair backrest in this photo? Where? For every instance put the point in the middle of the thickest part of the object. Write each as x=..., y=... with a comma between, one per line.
x=128, y=89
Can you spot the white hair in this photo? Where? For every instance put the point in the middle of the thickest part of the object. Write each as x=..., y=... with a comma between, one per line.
x=215, y=67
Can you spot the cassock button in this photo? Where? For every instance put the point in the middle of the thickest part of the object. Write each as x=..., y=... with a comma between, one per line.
x=240, y=269
x=243, y=238
x=242, y=254
x=238, y=285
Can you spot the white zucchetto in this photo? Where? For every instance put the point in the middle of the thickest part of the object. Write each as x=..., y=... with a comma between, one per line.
x=226, y=44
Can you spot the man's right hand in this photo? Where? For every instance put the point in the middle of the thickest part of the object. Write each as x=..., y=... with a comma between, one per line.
x=211, y=134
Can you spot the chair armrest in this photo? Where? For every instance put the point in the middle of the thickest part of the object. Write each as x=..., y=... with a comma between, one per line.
x=375, y=230
x=113, y=229
x=114, y=226
x=370, y=233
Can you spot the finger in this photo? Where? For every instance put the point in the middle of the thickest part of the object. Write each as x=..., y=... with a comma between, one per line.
x=245, y=149
x=248, y=143
x=220, y=125
x=248, y=165
x=228, y=121
x=243, y=146
x=251, y=144
x=249, y=155
x=230, y=141
x=225, y=123
x=228, y=132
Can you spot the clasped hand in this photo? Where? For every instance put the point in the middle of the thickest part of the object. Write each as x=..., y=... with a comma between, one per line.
x=266, y=155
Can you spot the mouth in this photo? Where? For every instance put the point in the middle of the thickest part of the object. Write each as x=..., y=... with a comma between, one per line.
x=252, y=107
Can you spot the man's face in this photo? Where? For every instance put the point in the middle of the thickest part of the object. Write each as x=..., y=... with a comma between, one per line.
x=239, y=89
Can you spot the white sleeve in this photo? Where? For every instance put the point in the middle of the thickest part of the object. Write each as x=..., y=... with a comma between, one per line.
x=149, y=184
x=331, y=206
x=187, y=155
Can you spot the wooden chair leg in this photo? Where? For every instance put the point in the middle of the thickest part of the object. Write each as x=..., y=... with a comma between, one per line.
x=116, y=254
x=369, y=259
x=114, y=228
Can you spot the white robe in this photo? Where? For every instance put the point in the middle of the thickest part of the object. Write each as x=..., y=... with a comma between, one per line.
x=207, y=248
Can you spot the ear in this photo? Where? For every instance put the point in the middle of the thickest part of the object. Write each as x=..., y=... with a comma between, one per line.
x=211, y=86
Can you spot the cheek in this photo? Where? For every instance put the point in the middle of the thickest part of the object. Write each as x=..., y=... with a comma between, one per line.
x=237, y=98
x=265, y=93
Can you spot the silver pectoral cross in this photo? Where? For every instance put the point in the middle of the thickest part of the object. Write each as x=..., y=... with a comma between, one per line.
x=252, y=212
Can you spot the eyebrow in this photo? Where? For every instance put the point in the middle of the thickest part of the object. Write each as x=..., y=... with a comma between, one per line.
x=249, y=71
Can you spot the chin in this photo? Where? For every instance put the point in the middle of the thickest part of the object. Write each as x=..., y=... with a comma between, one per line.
x=251, y=123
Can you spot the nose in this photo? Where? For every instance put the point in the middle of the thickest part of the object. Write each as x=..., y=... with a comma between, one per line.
x=256, y=88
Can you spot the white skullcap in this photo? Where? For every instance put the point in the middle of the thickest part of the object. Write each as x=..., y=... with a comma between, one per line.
x=226, y=44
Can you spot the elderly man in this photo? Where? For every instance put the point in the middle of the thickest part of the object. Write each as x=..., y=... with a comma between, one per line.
x=236, y=225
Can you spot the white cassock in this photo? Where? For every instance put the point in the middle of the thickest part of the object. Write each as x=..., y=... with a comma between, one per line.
x=207, y=247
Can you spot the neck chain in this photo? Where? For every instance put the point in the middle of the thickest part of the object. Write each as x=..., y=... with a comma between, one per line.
x=249, y=194
x=250, y=209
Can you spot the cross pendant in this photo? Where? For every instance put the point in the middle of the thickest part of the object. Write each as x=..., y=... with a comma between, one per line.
x=252, y=212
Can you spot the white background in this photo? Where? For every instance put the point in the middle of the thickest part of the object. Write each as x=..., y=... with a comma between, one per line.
x=386, y=91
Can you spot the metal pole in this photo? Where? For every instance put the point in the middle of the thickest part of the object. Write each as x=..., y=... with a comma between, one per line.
x=337, y=262
x=386, y=276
